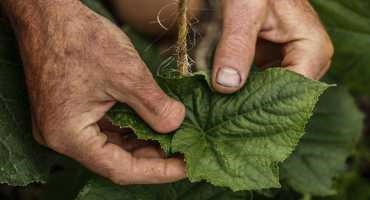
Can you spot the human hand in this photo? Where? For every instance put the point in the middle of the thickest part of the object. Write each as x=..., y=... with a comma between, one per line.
x=77, y=66
x=285, y=33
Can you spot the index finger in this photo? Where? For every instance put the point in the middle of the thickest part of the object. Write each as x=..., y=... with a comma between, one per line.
x=92, y=149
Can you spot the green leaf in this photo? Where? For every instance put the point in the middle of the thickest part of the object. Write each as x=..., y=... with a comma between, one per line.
x=125, y=117
x=22, y=161
x=330, y=138
x=348, y=23
x=353, y=186
x=236, y=140
x=98, y=189
x=355, y=183
x=65, y=181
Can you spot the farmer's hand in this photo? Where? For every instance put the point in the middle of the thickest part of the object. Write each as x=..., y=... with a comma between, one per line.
x=285, y=33
x=77, y=66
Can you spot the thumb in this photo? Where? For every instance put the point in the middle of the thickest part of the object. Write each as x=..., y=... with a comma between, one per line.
x=242, y=20
x=138, y=89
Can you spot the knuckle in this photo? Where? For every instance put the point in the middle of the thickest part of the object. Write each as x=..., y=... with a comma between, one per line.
x=170, y=116
x=233, y=47
x=134, y=75
x=237, y=41
x=107, y=166
x=146, y=93
x=327, y=46
x=143, y=83
x=327, y=49
x=119, y=177
x=166, y=110
x=330, y=49
x=154, y=99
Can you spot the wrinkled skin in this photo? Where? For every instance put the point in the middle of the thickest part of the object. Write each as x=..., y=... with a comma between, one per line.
x=78, y=65
x=285, y=33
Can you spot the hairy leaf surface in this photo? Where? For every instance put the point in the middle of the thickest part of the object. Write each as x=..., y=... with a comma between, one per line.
x=235, y=140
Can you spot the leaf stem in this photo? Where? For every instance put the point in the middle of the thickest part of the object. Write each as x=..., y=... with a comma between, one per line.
x=182, y=46
x=306, y=197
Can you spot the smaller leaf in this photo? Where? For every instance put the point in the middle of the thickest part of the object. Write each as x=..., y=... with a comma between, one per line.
x=124, y=117
x=348, y=23
x=330, y=137
x=98, y=188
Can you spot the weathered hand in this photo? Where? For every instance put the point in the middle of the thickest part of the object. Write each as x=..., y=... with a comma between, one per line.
x=77, y=66
x=285, y=33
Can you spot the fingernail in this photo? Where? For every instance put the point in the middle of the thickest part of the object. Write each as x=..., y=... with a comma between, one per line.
x=228, y=77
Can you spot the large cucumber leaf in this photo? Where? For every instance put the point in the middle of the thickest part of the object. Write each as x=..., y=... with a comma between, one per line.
x=235, y=140
x=330, y=138
x=22, y=161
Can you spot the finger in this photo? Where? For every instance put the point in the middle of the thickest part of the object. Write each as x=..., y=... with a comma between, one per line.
x=135, y=86
x=310, y=58
x=307, y=48
x=122, y=137
x=157, y=170
x=324, y=70
x=149, y=152
x=242, y=20
x=92, y=149
x=127, y=142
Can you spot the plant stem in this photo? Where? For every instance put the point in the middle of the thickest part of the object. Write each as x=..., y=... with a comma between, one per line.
x=182, y=43
x=306, y=197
